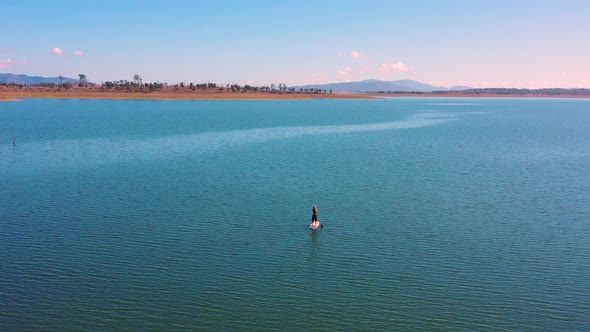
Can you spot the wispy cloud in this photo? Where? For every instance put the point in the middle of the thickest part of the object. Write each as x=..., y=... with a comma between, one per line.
x=354, y=54
x=57, y=51
x=315, y=78
x=7, y=63
x=385, y=67
x=344, y=73
x=7, y=50
x=78, y=53
x=358, y=55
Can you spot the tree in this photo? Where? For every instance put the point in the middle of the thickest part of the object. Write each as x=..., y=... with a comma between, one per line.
x=83, y=80
x=137, y=79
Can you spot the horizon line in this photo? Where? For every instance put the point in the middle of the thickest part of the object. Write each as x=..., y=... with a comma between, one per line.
x=465, y=85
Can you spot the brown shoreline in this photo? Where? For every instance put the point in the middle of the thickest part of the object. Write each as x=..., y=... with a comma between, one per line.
x=15, y=94
x=12, y=95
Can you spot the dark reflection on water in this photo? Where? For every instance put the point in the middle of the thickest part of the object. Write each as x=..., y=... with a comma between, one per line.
x=315, y=239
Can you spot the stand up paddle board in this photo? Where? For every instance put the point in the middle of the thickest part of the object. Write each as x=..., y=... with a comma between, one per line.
x=315, y=225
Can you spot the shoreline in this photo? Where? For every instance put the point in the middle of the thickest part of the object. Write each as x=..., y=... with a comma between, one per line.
x=17, y=95
x=479, y=96
x=173, y=95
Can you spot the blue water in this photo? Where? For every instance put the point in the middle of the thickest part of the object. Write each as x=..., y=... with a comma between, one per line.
x=439, y=214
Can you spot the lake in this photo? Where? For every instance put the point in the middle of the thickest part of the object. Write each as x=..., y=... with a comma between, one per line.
x=439, y=214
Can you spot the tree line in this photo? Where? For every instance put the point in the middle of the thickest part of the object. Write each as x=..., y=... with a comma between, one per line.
x=137, y=84
x=501, y=92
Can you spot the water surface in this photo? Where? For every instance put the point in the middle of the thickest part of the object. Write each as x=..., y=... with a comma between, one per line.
x=440, y=214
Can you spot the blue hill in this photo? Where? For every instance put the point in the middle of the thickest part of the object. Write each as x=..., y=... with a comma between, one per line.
x=378, y=85
x=33, y=80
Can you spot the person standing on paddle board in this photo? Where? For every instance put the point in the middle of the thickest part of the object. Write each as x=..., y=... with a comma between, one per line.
x=314, y=215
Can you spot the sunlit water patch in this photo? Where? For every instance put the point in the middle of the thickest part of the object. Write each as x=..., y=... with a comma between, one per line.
x=84, y=152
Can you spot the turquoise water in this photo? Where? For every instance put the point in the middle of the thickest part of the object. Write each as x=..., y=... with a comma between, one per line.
x=439, y=214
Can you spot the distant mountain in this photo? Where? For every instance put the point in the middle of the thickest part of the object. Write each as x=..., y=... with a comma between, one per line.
x=418, y=86
x=378, y=85
x=33, y=80
x=460, y=88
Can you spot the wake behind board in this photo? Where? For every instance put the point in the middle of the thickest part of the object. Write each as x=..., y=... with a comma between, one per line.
x=315, y=225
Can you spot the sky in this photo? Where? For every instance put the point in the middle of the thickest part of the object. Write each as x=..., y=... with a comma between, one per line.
x=477, y=43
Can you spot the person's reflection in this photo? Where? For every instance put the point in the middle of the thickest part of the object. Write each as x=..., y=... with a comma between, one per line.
x=315, y=241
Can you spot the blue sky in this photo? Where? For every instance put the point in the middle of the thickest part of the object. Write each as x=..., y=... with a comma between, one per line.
x=525, y=43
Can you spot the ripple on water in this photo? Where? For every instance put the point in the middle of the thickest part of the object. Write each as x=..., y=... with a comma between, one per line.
x=441, y=220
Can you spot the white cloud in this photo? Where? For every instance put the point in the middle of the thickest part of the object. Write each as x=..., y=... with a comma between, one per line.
x=57, y=51
x=357, y=55
x=394, y=66
x=7, y=63
x=78, y=53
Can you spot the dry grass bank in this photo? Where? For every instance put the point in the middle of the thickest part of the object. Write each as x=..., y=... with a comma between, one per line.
x=15, y=93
